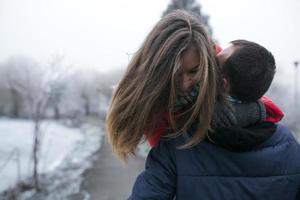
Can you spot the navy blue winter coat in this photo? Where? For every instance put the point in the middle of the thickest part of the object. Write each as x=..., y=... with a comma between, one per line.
x=269, y=169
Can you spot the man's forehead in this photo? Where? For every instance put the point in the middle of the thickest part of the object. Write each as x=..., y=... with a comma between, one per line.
x=228, y=50
x=226, y=53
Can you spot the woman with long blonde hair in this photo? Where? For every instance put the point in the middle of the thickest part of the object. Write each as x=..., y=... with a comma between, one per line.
x=175, y=60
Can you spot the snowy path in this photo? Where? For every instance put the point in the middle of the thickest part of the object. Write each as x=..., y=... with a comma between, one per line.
x=109, y=179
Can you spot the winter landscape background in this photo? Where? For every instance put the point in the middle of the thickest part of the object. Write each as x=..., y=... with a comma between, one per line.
x=59, y=63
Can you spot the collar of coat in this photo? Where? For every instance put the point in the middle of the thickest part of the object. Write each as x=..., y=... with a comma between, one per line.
x=239, y=139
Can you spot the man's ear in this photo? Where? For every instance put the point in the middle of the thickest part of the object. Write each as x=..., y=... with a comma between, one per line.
x=226, y=84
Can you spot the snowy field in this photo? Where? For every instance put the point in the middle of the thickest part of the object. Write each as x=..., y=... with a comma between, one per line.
x=62, y=148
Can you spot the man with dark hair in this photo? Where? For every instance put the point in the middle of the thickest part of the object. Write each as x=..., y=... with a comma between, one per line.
x=248, y=69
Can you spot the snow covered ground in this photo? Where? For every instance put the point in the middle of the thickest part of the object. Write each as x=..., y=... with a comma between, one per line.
x=64, y=156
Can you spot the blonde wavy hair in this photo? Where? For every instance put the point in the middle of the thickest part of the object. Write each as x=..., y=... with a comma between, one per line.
x=148, y=87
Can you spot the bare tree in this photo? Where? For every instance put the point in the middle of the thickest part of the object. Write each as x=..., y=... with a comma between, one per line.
x=87, y=90
x=39, y=86
x=17, y=80
x=58, y=86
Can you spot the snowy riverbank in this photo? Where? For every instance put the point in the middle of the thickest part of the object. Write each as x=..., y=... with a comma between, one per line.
x=65, y=154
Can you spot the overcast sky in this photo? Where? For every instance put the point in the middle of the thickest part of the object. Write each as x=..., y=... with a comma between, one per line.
x=102, y=33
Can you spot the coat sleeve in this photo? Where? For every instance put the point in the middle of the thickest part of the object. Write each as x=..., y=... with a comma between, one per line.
x=158, y=180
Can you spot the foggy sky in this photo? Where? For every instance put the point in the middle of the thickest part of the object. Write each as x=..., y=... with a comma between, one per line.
x=102, y=34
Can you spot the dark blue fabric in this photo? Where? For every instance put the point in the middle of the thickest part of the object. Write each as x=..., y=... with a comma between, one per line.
x=206, y=171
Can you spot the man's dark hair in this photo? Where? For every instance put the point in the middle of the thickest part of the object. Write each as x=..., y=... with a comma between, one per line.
x=250, y=70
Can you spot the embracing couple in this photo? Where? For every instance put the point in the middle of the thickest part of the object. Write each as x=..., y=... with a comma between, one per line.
x=214, y=135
